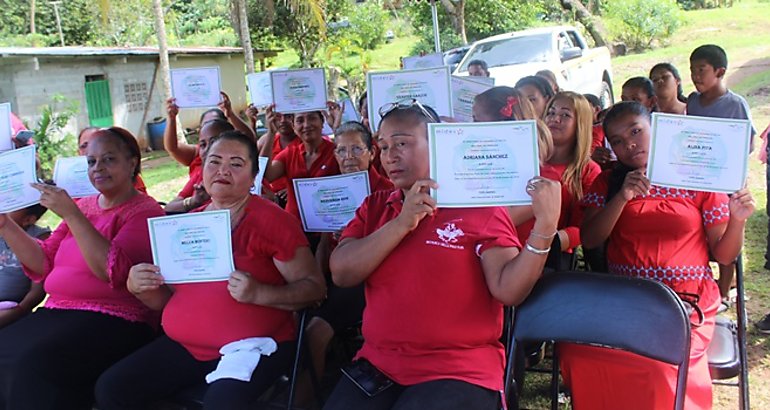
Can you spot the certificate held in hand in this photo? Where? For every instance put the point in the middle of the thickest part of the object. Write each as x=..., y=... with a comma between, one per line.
x=71, y=174
x=196, y=87
x=194, y=247
x=17, y=172
x=698, y=153
x=299, y=90
x=483, y=164
x=327, y=204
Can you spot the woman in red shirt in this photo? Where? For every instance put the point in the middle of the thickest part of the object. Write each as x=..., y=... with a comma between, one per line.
x=435, y=282
x=313, y=158
x=343, y=306
x=275, y=275
x=569, y=119
x=663, y=234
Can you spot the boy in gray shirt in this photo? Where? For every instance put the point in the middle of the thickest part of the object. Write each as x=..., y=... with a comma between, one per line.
x=708, y=64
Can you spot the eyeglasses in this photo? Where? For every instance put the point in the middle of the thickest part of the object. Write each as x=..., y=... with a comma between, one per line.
x=406, y=104
x=355, y=151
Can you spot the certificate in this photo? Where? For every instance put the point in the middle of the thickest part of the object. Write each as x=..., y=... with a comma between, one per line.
x=6, y=132
x=327, y=204
x=429, y=86
x=196, y=87
x=299, y=90
x=257, y=188
x=17, y=171
x=260, y=89
x=194, y=247
x=464, y=90
x=698, y=153
x=349, y=112
x=427, y=61
x=71, y=174
x=484, y=163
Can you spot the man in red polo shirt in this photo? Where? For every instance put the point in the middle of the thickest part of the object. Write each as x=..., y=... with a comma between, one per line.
x=435, y=282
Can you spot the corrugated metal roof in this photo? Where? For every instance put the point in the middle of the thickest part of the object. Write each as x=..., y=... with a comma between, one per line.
x=111, y=51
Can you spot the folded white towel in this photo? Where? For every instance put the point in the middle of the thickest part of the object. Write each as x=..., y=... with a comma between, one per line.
x=240, y=358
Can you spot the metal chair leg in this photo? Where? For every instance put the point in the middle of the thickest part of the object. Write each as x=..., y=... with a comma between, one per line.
x=743, y=377
x=297, y=355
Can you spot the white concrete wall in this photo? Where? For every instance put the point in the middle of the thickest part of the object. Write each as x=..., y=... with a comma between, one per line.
x=28, y=86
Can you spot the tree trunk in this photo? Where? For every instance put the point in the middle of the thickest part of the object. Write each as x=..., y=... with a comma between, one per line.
x=594, y=26
x=160, y=32
x=243, y=26
x=456, y=11
x=32, y=16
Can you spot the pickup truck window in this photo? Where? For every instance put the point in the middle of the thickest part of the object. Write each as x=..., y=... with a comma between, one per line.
x=515, y=50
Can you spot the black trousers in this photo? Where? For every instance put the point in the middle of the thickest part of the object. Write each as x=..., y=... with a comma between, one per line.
x=767, y=210
x=164, y=367
x=52, y=358
x=438, y=394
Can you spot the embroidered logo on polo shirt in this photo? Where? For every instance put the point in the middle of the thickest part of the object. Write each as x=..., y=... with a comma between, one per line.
x=448, y=236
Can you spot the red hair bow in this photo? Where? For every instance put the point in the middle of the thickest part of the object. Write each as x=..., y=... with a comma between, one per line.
x=507, y=111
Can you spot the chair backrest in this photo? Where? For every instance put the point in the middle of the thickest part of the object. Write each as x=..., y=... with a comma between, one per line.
x=637, y=315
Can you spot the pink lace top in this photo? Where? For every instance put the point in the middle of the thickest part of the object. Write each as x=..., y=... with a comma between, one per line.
x=70, y=283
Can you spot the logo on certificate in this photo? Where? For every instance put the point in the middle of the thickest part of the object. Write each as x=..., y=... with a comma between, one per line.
x=449, y=235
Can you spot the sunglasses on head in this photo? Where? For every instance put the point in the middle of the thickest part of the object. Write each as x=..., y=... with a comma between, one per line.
x=406, y=104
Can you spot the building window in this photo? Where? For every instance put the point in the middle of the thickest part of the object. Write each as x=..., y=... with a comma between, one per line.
x=136, y=95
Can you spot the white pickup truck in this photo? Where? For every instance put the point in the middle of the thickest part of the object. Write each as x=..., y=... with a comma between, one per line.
x=560, y=49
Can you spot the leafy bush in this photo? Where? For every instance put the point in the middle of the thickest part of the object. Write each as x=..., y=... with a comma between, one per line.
x=368, y=24
x=50, y=138
x=639, y=23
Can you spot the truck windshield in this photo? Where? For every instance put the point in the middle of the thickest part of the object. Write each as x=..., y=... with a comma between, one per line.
x=515, y=50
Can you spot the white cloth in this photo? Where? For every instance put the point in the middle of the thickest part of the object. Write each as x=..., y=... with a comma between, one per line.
x=240, y=358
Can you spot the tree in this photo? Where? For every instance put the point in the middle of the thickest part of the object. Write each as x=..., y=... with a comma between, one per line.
x=456, y=11
x=593, y=25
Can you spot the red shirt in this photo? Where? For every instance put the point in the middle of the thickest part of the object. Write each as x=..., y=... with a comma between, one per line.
x=378, y=182
x=662, y=236
x=597, y=136
x=282, y=182
x=197, y=162
x=571, y=210
x=429, y=314
x=203, y=317
x=196, y=178
x=293, y=158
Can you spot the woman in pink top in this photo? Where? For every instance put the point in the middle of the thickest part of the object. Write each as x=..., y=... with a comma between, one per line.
x=51, y=358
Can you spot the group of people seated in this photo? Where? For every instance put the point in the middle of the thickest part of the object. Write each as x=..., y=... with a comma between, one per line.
x=112, y=335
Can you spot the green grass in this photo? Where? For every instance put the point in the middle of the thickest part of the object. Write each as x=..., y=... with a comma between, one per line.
x=385, y=57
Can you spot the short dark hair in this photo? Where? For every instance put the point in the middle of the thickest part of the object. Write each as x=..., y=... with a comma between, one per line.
x=243, y=139
x=641, y=82
x=671, y=69
x=538, y=82
x=219, y=125
x=593, y=100
x=714, y=55
x=128, y=140
x=361, y=101
x=355, y=126
x=220, y=115
x=480, y=63
x=623, y=108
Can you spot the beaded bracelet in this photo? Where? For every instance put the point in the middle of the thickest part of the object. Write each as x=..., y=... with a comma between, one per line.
x=537, y=251
x=539, y=235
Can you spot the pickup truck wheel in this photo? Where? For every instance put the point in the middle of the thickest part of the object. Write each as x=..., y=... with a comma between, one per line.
x=606, y=95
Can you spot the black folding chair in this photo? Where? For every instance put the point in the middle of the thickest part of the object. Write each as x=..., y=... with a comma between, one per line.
x=727, y=351
x=598, y=309
x=192, y=397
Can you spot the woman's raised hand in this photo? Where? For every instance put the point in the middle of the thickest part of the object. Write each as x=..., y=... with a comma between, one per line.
x=144, y=277
x=742, y=205
x=56, y=199
x=172, y=110
x=636, y=183
x=546, y=200
x=417, y=204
